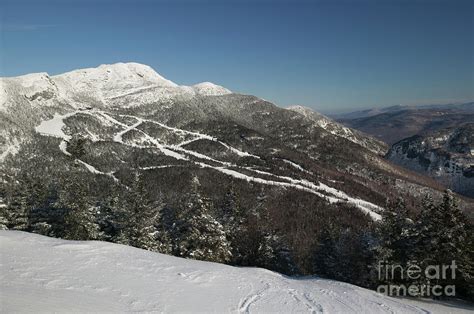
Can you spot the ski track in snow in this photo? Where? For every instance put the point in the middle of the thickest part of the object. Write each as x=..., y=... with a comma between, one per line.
x=312, y=306
x=94, y=170
x=133, y=91
x=252, y=298
x=54, y=127
x=296, y=166
x=45, y=275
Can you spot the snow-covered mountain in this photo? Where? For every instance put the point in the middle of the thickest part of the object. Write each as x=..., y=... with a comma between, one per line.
x=446, y=155
x=204, y=125
x=132, y=119
x=99, y=85
x=25, y=98
x=41, y=274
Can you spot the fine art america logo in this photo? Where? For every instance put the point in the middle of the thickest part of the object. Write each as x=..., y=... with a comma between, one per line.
x=421, y=282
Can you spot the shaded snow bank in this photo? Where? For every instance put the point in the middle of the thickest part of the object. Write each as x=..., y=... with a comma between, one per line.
x=41, y=274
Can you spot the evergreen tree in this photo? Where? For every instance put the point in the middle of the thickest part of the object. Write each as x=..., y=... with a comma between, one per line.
x=198, y=234
x=262, y=245
x=232, y=213
x=394, y=232
x=3, y=216
x=233, y=220
x=142, y=219
x=76, y=146
x=345, y=255
x=257, y=244
x=18, y=208
x=444, y=235
x=80, y=222
x=465, y=282
x=109, y=217
x=42, y=200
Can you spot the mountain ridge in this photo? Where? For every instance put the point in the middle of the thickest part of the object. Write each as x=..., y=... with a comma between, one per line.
x=136, y=83
x=104, y=82
x=366, y=113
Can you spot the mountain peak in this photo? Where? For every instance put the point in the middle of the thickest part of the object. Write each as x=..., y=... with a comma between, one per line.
x=210, y=89
x=109, y=81
x=119, y=73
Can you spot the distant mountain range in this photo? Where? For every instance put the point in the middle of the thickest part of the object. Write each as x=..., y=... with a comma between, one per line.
x=469, y=106
x=432, y=140
x=393, y=124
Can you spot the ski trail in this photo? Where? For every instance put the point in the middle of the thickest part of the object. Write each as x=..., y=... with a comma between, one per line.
x=133, y=91
x=53, y=127
x=296, y=166
x=242, y=176
x=94, y=170
x=170, y=150
x=118, y=136
x=197, y=135
x=187, y=142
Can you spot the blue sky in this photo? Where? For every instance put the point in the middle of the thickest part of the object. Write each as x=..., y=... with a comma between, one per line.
x=329, y=55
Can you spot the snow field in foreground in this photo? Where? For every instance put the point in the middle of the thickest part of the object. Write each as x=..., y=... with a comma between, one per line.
x=41, y=274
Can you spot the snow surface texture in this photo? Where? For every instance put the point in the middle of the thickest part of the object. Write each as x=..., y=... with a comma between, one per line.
x=54, y=127
x=41, y=274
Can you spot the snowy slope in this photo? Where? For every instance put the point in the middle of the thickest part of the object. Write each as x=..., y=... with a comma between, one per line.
x=54, y=127
x=40, y=274
x=26, y=98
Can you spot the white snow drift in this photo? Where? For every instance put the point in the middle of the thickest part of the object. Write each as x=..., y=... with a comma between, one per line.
x=41, y=274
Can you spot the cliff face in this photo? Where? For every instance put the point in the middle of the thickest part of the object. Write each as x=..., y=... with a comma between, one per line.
x=446, y=155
